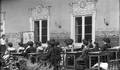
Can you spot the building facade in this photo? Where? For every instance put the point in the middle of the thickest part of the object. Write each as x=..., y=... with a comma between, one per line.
x=76, y=19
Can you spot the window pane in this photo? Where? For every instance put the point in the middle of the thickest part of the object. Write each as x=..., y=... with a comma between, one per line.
x=88, y=20
x=78, y=30
x=36, y=30
x=44, y=23
x=44, y=31
x=44, y=38
x=78, y=20
x=88, y=36
x=88, y=29
x=78, y=38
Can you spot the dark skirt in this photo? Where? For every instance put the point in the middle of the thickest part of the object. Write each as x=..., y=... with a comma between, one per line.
x=2, y=48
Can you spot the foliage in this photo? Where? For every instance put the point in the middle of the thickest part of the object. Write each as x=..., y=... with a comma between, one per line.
x=27, y=65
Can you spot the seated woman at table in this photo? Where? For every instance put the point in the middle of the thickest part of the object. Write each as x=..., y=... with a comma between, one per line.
x=85, y=49
x=90, y=44
x=106, y=44
x=39, y=48
x=84, y=44
x=9, y=51
x=96, y=47
x=30, y=48
x=10, y=48
x=53, y=54
x=84, y=55
x=21, y=48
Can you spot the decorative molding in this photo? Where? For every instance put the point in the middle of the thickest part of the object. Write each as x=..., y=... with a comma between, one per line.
x=45, y=3
x=83, y=7
x=40, y=12
x=88, y=9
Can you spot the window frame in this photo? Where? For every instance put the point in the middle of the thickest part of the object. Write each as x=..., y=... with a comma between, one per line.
x=83, y=27
x=40, y=28
x=40, y=36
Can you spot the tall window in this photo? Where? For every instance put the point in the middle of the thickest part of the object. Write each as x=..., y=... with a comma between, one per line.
x=88, y=27
x=83, y=28
x=36, y=30
x=78, y=29
x=44, y=31
x=41, y=30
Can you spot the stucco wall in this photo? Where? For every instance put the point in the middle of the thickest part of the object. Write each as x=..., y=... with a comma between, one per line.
x=107, y=11
x=60, y=15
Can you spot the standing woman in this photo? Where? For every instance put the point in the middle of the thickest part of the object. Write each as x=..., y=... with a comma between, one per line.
x=3, y=42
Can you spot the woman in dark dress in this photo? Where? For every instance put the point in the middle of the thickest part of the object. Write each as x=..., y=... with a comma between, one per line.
x=30, y=48
x=96, y=46
x=53, y=55
x=106, y=44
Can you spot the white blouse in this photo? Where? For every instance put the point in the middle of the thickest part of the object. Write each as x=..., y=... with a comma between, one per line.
x=2, y=41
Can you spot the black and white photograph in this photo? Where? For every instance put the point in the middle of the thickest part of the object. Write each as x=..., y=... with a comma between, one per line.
x=59, y=34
